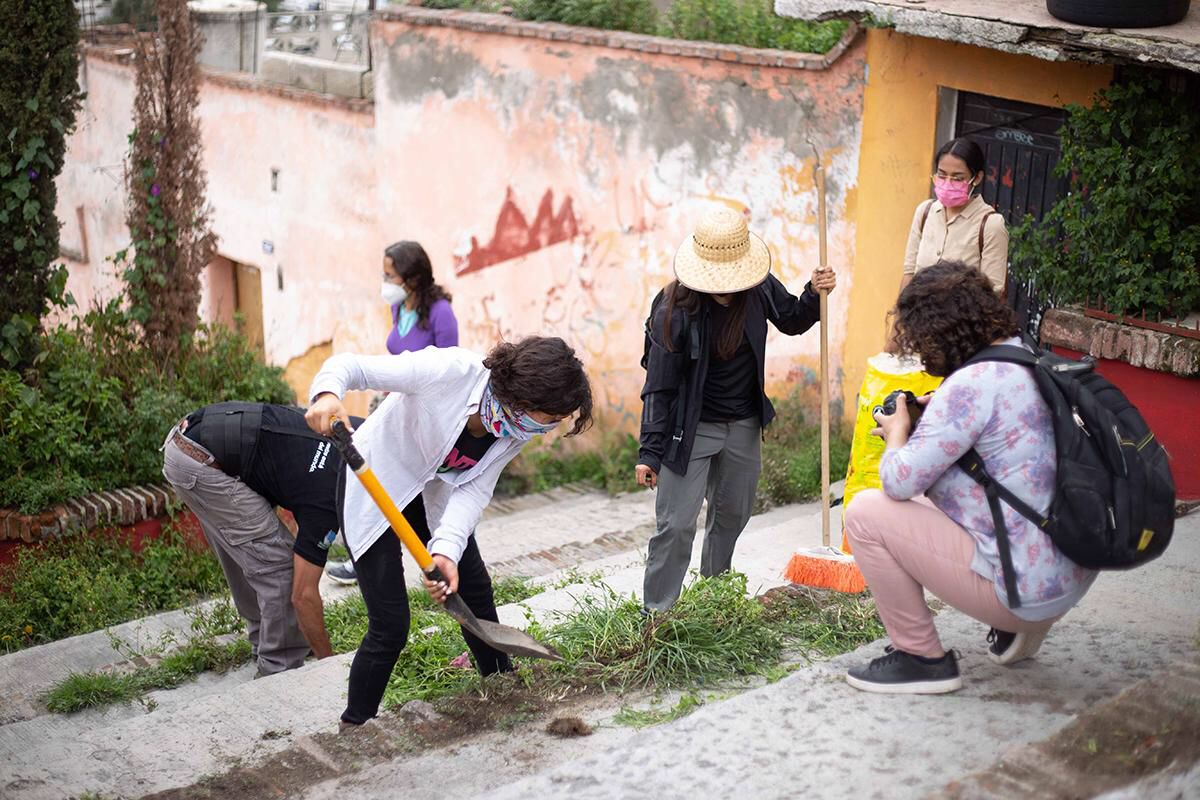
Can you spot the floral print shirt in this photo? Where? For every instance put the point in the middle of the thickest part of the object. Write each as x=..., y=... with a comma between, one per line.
x=997, y=409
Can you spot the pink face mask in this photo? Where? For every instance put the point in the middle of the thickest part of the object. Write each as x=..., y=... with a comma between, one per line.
x=951, y=194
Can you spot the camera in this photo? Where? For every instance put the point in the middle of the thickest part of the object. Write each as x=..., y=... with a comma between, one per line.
x=888, y=406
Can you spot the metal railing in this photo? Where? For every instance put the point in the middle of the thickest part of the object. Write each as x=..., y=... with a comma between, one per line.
x=330, y=35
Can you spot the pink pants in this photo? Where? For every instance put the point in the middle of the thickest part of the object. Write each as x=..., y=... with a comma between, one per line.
x=905, y=546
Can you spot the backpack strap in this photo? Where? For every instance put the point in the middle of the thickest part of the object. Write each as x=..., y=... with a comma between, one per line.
x=1010, y=354
x=972, y=464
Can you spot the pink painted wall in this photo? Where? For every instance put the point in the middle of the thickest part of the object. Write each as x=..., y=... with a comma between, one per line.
x=320, y=222
x=550, y=183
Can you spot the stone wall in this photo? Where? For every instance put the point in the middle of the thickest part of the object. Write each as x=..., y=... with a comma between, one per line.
x=1138, y=347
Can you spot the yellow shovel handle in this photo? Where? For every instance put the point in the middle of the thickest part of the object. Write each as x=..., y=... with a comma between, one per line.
x=345, y=445
x=399, y=524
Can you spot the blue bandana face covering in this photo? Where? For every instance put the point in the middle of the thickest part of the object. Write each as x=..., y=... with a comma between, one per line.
x=501, y=422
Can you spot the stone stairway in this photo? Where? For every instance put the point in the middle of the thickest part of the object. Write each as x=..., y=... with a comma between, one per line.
x=806, y=735
x=177, y=735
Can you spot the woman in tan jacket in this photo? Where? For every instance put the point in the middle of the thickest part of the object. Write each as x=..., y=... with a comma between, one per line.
x=958, y=225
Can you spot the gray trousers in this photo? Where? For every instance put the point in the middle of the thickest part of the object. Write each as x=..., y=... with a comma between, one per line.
x=726, y=459
x=255, y=551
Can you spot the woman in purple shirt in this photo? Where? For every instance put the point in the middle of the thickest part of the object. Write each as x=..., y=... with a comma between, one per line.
x=421, y=317
x=421, y=313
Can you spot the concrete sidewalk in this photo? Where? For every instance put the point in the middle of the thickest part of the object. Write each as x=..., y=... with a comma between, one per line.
x=811, y=735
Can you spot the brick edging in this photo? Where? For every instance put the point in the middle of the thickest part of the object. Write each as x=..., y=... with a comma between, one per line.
x=127, y=506
x=1138, y=347
x=481, y=22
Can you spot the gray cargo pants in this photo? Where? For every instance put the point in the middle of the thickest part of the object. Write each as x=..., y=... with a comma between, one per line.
x=253, y=546
x=724, y=466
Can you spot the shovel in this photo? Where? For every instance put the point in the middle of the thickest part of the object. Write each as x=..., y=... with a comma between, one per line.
x=502, y=637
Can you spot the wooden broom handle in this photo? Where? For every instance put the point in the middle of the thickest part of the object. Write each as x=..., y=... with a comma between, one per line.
x=824, y=257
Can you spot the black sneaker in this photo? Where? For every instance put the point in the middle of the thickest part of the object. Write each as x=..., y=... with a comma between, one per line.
x=897, y=672
x=1006, y=648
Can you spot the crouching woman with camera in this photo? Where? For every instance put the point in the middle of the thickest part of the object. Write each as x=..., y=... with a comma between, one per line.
x=947, y=542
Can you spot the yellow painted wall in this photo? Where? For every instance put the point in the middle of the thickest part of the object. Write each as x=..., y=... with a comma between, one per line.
x=898, y=141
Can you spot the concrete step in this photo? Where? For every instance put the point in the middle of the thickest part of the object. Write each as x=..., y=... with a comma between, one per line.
x=223, y=720
x=525, y=534
x=1153, y=727
x=811, y=735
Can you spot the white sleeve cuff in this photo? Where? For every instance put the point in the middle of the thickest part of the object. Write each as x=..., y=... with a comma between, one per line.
x=440, y=545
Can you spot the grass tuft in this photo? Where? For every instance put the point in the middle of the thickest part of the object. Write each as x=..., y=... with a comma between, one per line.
x=712, y=633
x=645, y=717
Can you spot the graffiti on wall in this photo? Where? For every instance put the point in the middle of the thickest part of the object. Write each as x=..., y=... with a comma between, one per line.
x=513, y=236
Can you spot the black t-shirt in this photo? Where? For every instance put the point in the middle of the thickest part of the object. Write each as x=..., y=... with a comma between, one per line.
x=467, y=451
x=294, y=468
x=731, y=390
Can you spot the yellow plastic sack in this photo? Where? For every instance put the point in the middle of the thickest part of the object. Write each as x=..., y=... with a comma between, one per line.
x=885, y=374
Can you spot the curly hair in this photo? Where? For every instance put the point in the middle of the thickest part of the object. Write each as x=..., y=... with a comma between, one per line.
x=948, y=313
x=541, y=373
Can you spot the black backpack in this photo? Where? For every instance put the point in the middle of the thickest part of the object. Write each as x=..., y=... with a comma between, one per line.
x=1114, y=497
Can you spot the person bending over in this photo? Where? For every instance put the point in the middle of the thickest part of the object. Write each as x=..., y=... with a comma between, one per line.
x=438, y=442
x=232, y=463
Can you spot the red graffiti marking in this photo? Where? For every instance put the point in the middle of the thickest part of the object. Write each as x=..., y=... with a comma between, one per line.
x=514, y=237
x=1007, y=180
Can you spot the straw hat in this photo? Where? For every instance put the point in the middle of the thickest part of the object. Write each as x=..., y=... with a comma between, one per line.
x=722, y=255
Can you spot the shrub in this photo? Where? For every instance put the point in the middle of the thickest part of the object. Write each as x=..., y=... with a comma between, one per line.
x=637, y=16
x=84, y=583
x=39, y=97
x=749, y=22
x=791, y=456
x=1129, y=230
x=610, y=466
x=92, y=414
x=167, y=214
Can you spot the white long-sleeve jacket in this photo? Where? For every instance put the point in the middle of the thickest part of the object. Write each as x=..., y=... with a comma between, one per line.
x=432, y=394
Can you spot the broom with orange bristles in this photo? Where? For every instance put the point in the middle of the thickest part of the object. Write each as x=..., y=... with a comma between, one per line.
x=824, y=567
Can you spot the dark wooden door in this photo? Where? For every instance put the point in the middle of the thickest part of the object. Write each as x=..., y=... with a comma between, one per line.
x=1022, y=146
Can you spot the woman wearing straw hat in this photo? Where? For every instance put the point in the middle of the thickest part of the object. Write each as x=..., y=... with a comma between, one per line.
x=704, y=406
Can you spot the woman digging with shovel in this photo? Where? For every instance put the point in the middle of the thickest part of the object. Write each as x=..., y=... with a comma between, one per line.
x=438, y=443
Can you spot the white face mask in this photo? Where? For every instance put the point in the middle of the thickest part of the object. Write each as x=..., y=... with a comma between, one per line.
x=393, y=293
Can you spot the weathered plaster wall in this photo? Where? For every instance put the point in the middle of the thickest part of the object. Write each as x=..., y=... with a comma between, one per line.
x=320, y=278
x=552, y=181
x=898, y=140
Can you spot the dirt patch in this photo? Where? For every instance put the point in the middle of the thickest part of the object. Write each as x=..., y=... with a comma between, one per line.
x=1152, y=727
x=503, y=703
x=569, y=726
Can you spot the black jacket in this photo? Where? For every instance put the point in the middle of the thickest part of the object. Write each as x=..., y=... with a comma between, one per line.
x=677, y=375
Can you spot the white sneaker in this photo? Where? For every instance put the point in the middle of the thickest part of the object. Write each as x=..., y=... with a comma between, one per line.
x=342, y=573
x=1009, y=648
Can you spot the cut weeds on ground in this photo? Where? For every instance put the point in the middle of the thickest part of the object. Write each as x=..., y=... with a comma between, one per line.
x=714, y=637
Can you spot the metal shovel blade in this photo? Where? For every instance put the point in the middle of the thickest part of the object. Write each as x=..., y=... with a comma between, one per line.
x=502, y=637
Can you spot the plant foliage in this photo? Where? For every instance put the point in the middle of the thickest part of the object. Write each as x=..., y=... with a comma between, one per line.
x=39, y=97
x=92, y=413
x=84, y=583
x=752, y=23
x=171, y=241
x=1128, y=233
